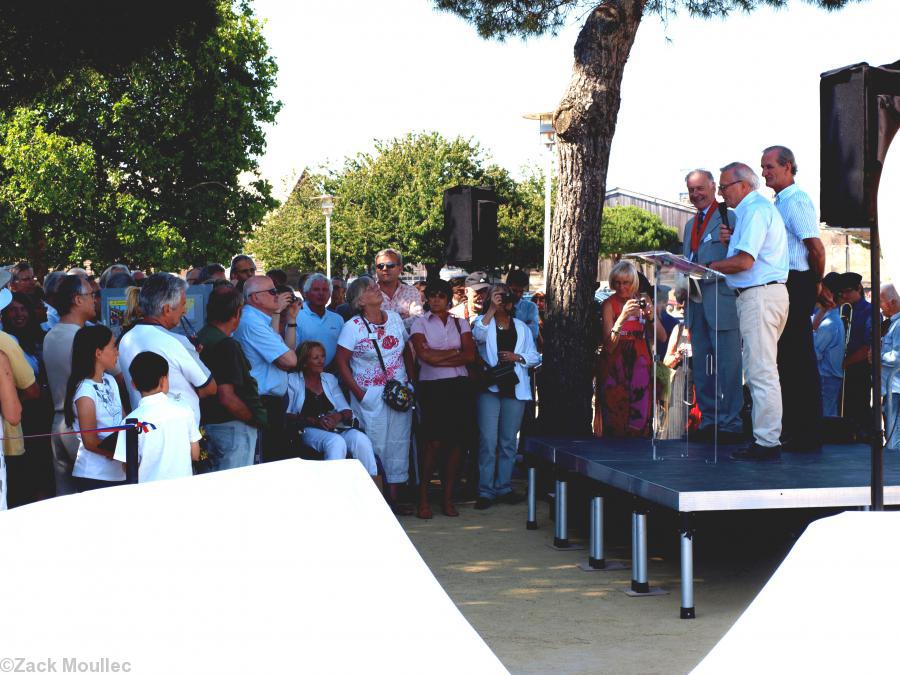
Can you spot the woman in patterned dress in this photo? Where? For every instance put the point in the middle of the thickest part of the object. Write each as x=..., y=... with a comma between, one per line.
x=361, y=371
x=627, y=389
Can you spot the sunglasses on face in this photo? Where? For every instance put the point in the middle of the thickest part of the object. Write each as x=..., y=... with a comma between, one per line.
x=386, y=266
x=247, y=270
x=271, y=291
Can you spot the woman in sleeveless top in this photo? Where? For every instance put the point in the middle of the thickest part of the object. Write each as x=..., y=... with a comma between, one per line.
x=627, y=388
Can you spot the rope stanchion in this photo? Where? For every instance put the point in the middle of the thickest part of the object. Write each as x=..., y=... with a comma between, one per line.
x=131, y=448
x=131, y=424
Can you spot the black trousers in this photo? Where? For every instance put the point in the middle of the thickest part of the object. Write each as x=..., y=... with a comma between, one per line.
x=274, y=441
x=801, y=388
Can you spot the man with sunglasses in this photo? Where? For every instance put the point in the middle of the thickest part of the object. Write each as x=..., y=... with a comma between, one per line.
x=242, y=268
x=270, y=357
x=757, y=268
x=398, y=297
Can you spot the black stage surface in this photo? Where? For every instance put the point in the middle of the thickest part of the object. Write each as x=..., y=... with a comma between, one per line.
x=685, y=477
x=689, y=478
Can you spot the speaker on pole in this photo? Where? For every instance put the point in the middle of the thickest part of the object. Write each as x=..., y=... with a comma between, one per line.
x=860, y=114
x=470, y=226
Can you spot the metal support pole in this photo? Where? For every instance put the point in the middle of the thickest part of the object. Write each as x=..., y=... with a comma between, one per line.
x=561, y=539
x=596, y=558
x=687, y=568
x=328, y=246
x=531, y=523
x=131, y=451
x=877, y=444
x=639, y=583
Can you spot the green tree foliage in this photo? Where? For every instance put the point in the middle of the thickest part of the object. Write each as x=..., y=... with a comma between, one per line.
x=628, y=229
x=42, y=43
x=293, y=235
x=393, y=196
x=172, y=139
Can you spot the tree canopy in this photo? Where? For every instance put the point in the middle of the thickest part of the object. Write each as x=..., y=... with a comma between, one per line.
x=160, y=154
x=393, y=196
x=629, y=229
x=42, y=43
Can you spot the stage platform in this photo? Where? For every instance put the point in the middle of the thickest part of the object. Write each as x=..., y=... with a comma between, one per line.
x=690, y=478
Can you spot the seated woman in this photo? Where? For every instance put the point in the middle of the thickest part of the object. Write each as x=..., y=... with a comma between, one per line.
x=316, y=399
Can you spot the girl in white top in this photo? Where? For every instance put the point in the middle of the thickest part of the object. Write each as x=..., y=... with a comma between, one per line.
x=92, y=401
x=11, y=411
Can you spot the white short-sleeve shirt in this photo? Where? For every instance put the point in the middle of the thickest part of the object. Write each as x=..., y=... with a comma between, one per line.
x=108, y=408
x=164, y=451
x=364, y=364
x=185, y=372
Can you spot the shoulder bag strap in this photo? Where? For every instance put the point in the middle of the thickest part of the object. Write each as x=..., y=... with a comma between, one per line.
x=375, y=342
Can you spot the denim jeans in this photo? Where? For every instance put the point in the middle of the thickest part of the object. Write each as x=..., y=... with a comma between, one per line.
x=891, y=428
x=499, y=420
x=230, y=445
x=831, y=395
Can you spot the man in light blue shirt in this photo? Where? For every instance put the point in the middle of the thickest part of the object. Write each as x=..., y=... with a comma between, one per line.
x=526, y=311
x=829, y=342
x=757, y=268
x=800, y=385
x=314, y=322
x=269, y=356
x=890, y=361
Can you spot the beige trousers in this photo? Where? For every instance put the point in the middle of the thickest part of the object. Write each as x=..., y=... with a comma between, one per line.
x=762, y=312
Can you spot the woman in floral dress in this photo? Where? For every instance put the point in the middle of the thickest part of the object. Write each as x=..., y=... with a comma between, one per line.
x=627, y=387
x=361, y=372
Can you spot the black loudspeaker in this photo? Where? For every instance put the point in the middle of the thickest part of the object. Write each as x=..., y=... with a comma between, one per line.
x=860, y=114
x=470, y=226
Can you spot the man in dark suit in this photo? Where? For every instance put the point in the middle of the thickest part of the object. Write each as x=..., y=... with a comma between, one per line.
x=711, y=317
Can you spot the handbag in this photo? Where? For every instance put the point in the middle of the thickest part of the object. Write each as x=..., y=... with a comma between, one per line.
x=396, y=395
x=502, y=374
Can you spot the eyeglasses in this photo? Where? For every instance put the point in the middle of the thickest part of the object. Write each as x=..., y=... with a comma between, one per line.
x=271, y=291
x=386, y=266
x=96, y=294
x=725, y=186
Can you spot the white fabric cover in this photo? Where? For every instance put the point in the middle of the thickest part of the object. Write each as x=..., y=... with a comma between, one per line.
x=286, y=567
x=829, y=608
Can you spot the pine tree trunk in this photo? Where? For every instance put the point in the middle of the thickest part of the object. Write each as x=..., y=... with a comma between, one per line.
x=585, y=123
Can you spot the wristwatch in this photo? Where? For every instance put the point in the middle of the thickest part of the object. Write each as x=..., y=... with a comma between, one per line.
x=290, y=325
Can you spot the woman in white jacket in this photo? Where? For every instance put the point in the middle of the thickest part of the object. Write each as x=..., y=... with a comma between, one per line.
x=501, y=339
x=325, y=416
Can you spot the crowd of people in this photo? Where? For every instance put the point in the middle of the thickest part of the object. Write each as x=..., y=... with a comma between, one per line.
x=773, y=323
x=377, y=371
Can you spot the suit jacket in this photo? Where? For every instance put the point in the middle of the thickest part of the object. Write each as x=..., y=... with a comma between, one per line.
x=710, y=250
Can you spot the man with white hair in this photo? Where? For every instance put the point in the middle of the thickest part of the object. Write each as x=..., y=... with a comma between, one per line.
x=757, y=269
x=314, y=321
x=162, y=301
x=890, y=361
x=270, y=357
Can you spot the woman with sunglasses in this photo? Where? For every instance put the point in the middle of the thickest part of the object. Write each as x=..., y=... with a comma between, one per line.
x=372, y=350
x=443, y=345
x=501, y=339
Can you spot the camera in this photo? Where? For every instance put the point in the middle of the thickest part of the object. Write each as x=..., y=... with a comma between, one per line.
x=643, y=303
x=508, y=298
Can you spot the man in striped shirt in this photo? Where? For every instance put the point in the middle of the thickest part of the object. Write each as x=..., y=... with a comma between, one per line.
x=800, y=384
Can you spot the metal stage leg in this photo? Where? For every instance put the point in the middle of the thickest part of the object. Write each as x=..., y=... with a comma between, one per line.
x=687, y=568
x=596, y=560
x=531, y=523
x=561, y=517
x=640, y=586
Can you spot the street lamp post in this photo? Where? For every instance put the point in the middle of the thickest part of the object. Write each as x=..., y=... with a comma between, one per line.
x=548, y=135
x=327, y=209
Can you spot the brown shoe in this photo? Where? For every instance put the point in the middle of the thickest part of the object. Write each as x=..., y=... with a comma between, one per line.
x=423, y=511
x=449, y=510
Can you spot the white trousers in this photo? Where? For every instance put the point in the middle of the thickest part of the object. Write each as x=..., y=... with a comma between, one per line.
x=335, y=445
x=389, y=431
x=762, y=312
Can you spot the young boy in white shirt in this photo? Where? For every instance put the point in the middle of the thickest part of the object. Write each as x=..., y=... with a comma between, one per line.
x=170, y=439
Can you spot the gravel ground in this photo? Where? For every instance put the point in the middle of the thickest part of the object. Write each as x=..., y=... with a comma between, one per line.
x=540, y=613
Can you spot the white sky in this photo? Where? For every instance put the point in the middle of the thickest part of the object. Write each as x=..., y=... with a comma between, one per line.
x=695, y=93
